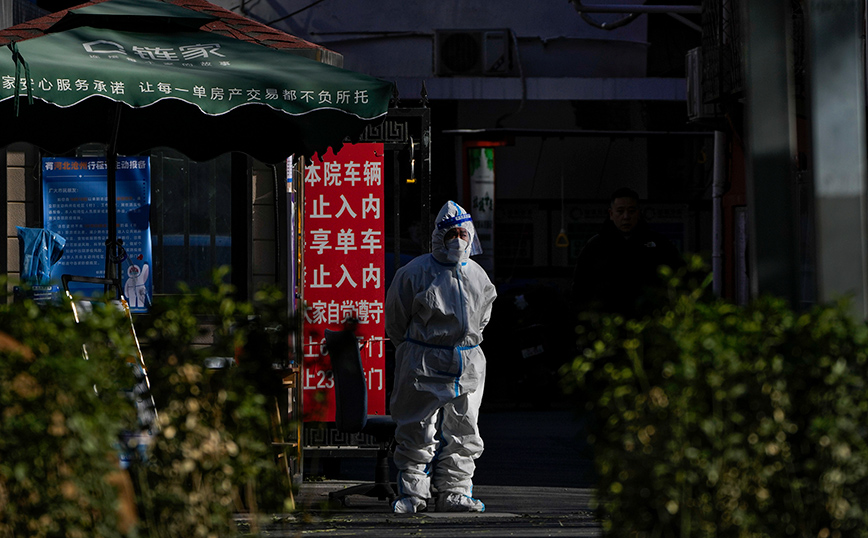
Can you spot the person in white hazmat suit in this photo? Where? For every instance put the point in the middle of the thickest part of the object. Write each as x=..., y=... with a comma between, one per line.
x=436, y=309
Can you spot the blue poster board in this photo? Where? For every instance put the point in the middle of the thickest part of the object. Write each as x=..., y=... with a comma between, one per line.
x=75, y=205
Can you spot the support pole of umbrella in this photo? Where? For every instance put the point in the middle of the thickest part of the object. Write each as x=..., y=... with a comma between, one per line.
x=115, y=253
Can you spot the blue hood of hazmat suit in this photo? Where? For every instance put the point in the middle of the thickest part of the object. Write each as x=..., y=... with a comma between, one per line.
x=451, y=216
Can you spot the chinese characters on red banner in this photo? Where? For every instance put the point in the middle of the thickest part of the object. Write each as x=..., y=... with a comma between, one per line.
x=344, y=259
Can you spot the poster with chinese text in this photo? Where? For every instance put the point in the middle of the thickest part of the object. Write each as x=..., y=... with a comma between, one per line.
x=75, y=205
x=344, y=259
x=481, y=168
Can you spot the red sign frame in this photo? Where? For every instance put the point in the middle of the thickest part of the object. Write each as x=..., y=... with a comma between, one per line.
x=344, y=270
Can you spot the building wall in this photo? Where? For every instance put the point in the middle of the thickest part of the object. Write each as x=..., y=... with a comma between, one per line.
x=16, y=11
x=567, y=75
x=19, y=172
x=397, y=40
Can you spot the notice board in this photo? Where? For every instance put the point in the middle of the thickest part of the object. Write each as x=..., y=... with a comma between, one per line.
x=344, y=269
x=75, y=205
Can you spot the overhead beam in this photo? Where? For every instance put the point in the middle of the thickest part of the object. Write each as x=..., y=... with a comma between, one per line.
x=571, y=133
x=627, y=8
x=547, y=88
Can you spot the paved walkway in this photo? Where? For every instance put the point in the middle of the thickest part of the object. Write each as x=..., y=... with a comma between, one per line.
x=535, y=479
x=510, y=511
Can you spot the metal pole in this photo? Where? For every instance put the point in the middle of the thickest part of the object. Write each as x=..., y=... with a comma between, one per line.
x=773, y=211
x=717, y=188
x=396, y=197
x=838, y=124
x=113, y=251
x=425, y=169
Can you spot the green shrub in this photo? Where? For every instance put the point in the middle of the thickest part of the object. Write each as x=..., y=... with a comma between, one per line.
x=712, y=419
x=212, y=456
x=60, y=419
x=61, y=416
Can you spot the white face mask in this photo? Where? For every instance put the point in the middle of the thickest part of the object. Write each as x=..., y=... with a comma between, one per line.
x=456, y=248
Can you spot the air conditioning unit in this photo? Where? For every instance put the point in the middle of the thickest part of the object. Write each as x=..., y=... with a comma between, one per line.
x=473, y=53
x=697, y=109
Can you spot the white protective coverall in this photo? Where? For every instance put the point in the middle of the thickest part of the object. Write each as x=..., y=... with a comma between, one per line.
x=435, y=313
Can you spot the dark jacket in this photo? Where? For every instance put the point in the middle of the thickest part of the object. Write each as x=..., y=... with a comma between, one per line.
x=615, y=272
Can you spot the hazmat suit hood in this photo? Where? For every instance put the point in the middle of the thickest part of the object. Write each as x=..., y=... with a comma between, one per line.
x=452, y=215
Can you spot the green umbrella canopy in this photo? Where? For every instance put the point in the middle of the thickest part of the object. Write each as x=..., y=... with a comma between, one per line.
x=137, y=74
x=175, y=85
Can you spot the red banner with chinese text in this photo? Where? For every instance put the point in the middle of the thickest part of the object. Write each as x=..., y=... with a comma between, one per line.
x=344, y=269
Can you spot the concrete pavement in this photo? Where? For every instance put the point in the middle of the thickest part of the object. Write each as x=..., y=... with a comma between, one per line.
x=510, y=511
x=535, y=478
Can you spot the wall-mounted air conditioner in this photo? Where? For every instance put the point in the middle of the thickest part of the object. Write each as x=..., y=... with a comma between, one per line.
x=697, y=109
x=473, y=53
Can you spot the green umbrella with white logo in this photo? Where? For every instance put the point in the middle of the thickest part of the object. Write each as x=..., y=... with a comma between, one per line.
x=200, y=92
x=136, y=74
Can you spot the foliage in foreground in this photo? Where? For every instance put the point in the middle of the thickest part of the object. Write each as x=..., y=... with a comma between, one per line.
x=712, y=419
x=61, y=420
x=209, y=459
x=212, y=455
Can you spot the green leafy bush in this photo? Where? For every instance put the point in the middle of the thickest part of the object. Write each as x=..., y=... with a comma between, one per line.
x=61, y=416
x=712, y=419
x=60, y=419
x=212, y=455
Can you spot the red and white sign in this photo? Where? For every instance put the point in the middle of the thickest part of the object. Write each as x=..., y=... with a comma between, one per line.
x=344, y=269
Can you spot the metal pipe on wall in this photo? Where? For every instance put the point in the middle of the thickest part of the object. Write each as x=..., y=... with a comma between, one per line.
x=717, y=189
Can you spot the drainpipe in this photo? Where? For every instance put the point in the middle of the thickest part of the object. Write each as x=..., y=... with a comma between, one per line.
x=717, y=189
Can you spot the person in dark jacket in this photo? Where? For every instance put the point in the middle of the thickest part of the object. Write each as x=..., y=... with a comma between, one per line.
x=617, y=267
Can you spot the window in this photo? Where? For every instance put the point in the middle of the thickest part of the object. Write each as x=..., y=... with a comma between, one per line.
x=190, y=218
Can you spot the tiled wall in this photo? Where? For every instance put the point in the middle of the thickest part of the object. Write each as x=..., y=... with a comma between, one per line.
x=21, y=192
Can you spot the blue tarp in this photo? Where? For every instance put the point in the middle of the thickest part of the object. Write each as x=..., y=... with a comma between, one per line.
x=40, y=250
